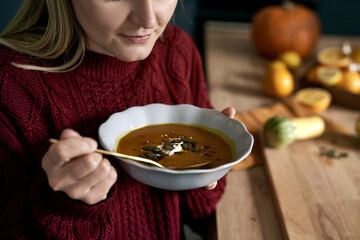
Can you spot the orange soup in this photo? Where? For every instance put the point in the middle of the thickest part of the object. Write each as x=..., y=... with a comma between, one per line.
x=178, y=145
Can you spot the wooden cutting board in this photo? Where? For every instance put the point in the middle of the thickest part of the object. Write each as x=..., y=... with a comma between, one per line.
x=317, y=196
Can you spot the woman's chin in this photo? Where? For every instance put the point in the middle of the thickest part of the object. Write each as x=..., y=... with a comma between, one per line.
x=132, y=57
x=126, y=55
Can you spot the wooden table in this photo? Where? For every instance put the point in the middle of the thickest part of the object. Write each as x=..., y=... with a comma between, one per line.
x=234, y=71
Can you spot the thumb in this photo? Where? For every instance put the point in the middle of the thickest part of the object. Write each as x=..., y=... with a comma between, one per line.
x=69, y=133
x=229, y=112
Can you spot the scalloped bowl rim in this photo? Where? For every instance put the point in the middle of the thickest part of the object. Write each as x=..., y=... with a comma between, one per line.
x=115, y=116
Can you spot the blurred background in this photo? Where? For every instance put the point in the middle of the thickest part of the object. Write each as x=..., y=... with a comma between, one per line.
x=339, y=17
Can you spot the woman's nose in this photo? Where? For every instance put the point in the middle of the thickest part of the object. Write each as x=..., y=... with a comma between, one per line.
x=144, y=14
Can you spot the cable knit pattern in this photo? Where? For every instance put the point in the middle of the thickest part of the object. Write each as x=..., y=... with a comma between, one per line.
x=35, y=106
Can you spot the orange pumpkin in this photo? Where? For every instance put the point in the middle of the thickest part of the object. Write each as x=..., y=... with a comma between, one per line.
x=287, y=27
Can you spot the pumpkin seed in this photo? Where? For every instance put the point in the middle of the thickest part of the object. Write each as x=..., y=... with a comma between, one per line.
x=168, y=146
x=157, y=153
x=195, y=150
x=186, y=145
x=176, y=140
x=148, y=148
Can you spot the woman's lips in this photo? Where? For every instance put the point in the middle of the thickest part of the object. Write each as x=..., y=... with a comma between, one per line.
x=137, y=39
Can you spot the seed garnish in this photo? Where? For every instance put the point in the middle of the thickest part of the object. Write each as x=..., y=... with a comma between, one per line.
x=176, y=145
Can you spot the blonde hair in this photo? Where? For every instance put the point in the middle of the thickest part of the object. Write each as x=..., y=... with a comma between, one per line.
x=46, y=29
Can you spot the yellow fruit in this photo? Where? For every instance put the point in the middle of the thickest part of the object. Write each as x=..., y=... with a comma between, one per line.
x=350, y=82
x=333, y=56
x=356, y=55
x=276, y=65
x=311, y=76
x=291, y=58
x=278, y=83
x=329, y=76
x=315, y=99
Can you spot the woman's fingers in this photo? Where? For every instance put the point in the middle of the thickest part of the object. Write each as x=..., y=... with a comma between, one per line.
x=229, y=112
x=69, y=133
x=95, y=186
x=99, y=191
x=61, y=177
x=82, y=166
x=211, y=186
x=73, y=167
x=67, y=149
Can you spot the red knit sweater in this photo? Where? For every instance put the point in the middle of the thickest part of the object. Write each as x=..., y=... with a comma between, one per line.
x=35, y=106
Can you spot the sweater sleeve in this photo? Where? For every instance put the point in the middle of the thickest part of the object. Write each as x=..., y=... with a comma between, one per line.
x=29, y=208
x=200, y=203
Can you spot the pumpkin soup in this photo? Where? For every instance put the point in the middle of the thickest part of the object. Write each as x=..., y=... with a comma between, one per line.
x=178, y=145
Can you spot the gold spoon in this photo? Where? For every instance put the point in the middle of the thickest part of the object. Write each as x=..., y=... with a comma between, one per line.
x=139, y=159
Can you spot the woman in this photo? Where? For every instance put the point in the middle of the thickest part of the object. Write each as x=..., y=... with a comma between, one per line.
x=66, y=66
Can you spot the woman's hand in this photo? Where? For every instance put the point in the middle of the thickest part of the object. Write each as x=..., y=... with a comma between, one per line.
x=230, y=112
x=73, y=167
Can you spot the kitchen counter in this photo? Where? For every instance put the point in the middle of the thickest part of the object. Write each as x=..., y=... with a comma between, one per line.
x=250, y=208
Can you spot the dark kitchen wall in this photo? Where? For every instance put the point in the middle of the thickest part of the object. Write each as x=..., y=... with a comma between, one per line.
x=8, y=8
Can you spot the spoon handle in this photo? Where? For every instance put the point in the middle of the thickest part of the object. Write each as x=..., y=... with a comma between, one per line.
x=52, y=140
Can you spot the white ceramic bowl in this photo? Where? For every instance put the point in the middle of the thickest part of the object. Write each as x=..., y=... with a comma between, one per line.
x=121, y=123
